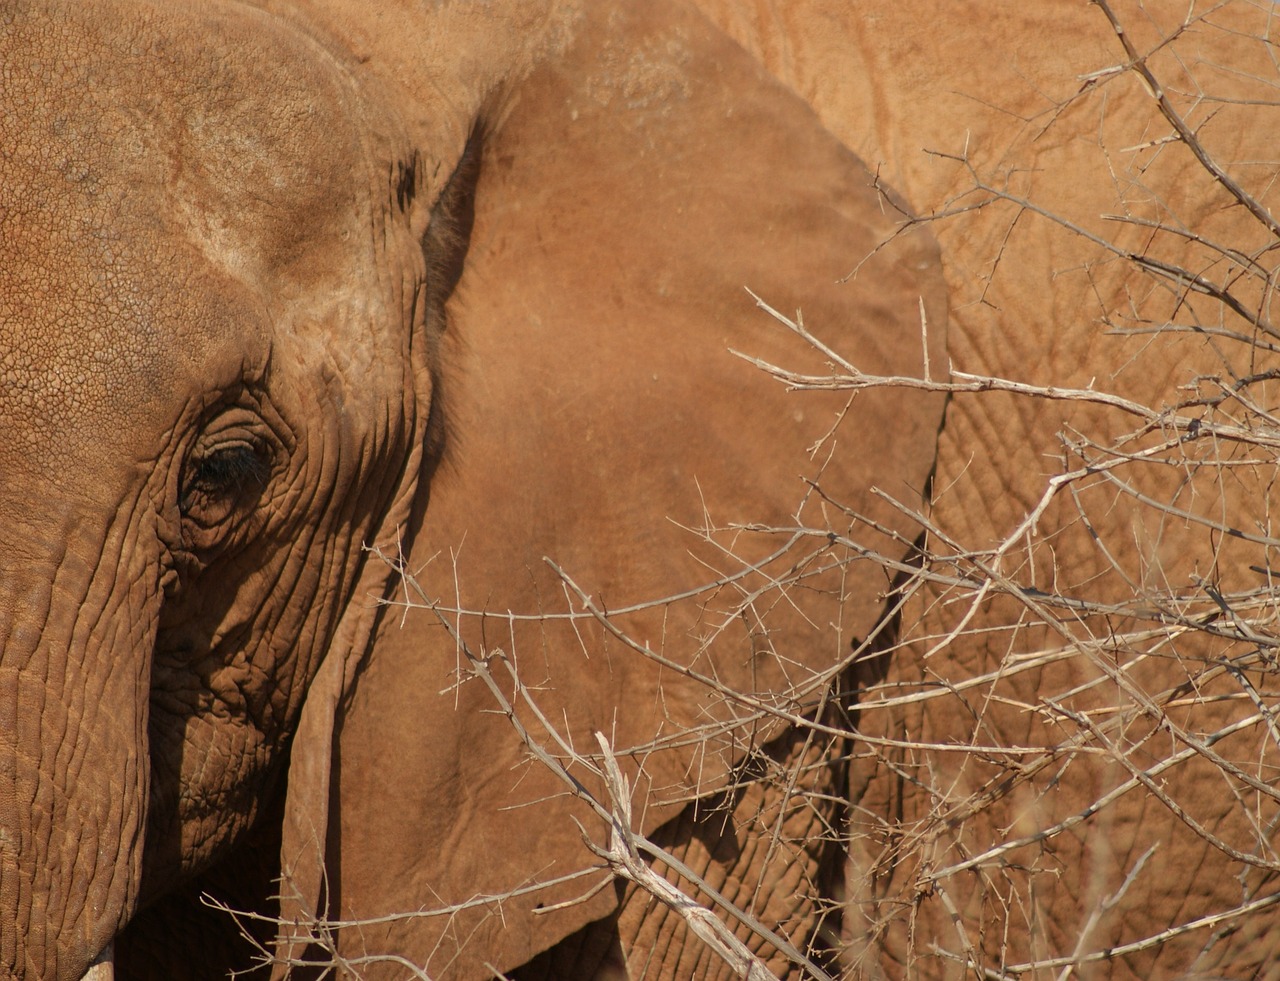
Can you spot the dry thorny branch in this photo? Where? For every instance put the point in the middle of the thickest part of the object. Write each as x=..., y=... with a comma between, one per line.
x=1108, y=663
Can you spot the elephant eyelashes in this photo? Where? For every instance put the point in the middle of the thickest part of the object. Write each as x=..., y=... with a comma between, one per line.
x=221, y=479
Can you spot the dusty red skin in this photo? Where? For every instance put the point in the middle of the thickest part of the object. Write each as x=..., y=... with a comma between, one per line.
x=225, y=367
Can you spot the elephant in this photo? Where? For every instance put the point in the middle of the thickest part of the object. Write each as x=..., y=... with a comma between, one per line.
x=1068, y=766
x=387, y=524
x=391, y=538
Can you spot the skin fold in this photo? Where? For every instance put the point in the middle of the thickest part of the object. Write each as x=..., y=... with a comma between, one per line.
x=299, y=297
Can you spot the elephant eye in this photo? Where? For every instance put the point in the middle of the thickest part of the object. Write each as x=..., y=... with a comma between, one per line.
x=219, y=480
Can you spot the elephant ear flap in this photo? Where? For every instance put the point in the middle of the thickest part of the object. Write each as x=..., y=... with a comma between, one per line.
x=306, y=812
x=305, y=829
x=632, y=187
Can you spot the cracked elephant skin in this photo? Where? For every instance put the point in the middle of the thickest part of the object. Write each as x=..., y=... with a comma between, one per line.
x=298, y=299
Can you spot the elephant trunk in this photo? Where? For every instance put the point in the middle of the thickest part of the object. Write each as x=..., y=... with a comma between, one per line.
x=74, y=676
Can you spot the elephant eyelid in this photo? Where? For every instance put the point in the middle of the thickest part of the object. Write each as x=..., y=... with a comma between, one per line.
x=224, y=472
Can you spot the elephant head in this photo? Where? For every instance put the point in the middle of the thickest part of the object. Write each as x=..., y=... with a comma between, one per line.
x=230, y=239
x=216, y=332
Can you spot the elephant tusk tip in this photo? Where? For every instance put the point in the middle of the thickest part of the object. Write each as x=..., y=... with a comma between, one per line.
x=103, y=966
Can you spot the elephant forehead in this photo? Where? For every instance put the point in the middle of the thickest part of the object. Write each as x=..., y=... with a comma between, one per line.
x=167, y=172
x=217, y=121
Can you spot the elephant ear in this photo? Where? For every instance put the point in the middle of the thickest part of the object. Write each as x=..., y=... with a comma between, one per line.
x=630, y=190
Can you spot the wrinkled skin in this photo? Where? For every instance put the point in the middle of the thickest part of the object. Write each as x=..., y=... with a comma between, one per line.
x=1026, y=92
x=278, y=283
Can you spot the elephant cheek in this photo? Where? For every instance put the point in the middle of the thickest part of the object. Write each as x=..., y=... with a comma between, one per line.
x=74, y=674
